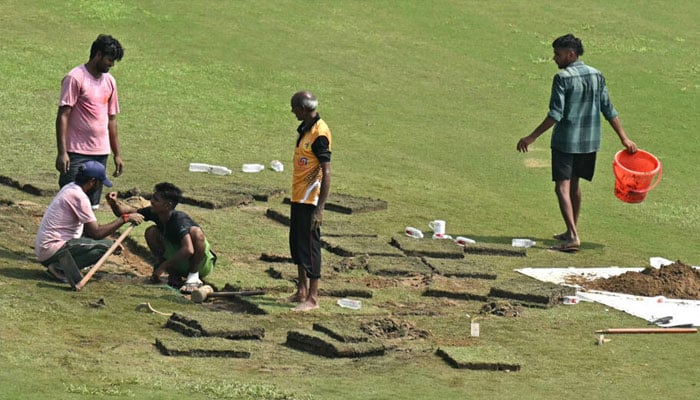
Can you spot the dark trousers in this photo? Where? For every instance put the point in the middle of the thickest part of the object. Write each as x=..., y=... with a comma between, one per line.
x=85, y=251
x=75, y=161
x=304, y=242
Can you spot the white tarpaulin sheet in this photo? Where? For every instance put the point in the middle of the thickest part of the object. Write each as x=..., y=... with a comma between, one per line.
x=651, y=309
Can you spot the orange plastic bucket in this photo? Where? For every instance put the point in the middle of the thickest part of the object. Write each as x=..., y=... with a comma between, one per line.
x=634, y=174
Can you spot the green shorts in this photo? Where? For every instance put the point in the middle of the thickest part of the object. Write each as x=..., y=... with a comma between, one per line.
x=183, y=267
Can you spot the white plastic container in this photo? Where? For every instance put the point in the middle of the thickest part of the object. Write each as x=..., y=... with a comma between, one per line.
x=253, y=167
x=523, y=243
x=219, y=170
x=199, y=167
x=212, y=169
x=570, y=300
x=474, y=329
x=463, y=241
x=414, y=232
x=349, y=303
x=277, y=166
x=441, y=236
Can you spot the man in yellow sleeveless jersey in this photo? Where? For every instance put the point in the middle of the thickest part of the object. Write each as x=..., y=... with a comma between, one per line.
x=310, y=186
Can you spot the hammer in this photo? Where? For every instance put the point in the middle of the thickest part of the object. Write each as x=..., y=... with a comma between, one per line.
x=201, y=294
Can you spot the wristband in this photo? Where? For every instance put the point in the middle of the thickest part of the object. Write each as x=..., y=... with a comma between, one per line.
x=125, y=218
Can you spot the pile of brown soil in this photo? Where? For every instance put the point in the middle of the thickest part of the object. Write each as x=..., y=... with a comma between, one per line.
x=502, y=309
x=390, y=328
x=675, y=281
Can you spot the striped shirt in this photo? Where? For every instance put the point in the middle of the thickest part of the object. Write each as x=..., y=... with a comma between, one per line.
x=579, y=96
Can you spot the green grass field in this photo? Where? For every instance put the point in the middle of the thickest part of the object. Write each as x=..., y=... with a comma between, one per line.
x=426, y=101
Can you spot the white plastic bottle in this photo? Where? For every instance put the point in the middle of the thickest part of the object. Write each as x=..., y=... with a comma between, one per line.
x=219, y=170
x=523, y=243
x=199, y=167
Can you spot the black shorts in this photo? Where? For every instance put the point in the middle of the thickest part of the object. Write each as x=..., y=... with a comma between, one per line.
x=305, y=243
x=568, y=165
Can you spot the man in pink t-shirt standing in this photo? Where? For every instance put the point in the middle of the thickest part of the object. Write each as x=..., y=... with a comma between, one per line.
x=86, y=124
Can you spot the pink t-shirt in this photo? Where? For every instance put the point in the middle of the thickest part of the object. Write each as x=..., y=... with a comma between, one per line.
x=68, y=212
x=92, y=100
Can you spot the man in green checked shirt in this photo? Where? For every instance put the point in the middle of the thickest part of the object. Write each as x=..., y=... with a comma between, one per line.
x=579, y=96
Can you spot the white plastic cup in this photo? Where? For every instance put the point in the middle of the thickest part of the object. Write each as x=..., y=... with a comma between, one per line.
x=523, y=243
x=277, y=166
x=438, y=226
x=413, y=232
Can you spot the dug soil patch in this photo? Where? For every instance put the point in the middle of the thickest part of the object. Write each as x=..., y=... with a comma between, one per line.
x=392, y=328
x=674, y=281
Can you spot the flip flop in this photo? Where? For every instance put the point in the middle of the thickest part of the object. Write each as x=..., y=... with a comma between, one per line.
x=566, y=247
x=188, y=288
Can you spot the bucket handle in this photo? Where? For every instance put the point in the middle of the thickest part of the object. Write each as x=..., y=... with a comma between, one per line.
x=658, y=179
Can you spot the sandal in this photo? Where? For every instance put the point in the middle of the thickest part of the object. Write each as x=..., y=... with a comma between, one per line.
x=190, y=287
x=567, y=247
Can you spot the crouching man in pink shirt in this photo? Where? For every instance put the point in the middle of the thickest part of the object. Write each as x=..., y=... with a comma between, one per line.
x=69, y=223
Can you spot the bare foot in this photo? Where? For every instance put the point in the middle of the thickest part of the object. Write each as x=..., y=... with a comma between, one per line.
x=562, y=236
x=306, y=306
x=297, y=297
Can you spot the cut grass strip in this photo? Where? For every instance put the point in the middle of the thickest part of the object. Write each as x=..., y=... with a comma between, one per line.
x=488, y=357
x=463, y=268
x=531, y=292
x=348, y=204
x=202, y=347
x=359, y=245
x=396, y=266
x=323, y=345
x=342, y=332
x=458, y=288
x=495, y=249
x=214, y=324
x=435, y=248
